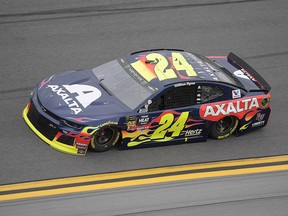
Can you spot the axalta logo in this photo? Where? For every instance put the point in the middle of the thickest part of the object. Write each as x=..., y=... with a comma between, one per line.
x=227, y=108
x=231, y=107
x=85, y=95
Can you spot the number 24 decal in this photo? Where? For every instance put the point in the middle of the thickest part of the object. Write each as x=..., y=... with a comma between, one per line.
x=167, y=125
x=163, y=70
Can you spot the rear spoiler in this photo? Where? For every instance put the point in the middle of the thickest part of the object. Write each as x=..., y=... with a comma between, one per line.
x=235, y=59
x=150, y=50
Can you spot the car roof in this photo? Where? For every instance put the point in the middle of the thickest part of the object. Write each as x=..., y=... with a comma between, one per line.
x=146, y=62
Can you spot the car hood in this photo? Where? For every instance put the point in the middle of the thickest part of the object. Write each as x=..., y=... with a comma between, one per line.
x=77, y=93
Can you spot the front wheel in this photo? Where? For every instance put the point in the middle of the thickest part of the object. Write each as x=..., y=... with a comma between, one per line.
x=224, y=127
x=104, y=139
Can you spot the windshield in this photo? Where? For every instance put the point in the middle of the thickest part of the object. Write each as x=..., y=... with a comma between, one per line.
x=127, y=87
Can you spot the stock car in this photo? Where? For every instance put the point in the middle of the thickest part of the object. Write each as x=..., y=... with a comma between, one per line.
x=149, y=98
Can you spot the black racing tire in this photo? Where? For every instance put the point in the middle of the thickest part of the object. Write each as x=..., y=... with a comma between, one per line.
x=104, y=139
x=224, y=127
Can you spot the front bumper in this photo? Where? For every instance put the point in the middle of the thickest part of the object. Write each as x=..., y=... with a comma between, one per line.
x=52, y=136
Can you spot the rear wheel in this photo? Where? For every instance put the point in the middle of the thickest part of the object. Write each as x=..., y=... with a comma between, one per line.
x=104, y=139
x=224, y=127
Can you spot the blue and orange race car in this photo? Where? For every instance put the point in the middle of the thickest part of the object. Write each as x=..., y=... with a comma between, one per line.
x=147, y=98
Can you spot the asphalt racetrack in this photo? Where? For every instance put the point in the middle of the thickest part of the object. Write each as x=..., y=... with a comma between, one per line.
x=41, y=38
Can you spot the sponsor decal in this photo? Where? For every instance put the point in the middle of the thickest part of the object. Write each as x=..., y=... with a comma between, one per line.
x=236, y=93
x=108, y=123
x=265, y=102
x=195, y=132
x=260, y=117
x=243, y=74
x=131, y=123
x=237, y=107
x=143, y=120
x=130, y=118
x=231, y=107
x=85, y=95
x=81, y=151
x=131, y=126
x=142, y=128
x=258, y=124
x=81, y=146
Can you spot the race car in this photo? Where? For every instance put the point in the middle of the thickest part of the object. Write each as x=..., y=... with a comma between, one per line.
x=149, y=98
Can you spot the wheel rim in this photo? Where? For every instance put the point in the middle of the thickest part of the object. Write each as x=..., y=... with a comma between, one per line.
x=103, y=136
x=224, y=124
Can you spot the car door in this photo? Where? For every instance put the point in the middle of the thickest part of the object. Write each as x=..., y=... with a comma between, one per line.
x=169, y=118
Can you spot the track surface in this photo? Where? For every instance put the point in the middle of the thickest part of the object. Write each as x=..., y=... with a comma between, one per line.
x=40, y=38
x=262, y=194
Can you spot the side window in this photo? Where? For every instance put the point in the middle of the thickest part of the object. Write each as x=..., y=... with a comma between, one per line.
x=209, y=93
x=157, y=104
x=175, y=98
